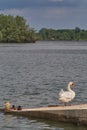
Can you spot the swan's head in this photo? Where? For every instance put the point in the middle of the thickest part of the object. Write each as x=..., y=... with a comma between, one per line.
x=71, y=83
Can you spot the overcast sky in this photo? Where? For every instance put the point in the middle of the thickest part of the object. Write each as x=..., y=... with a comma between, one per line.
x=57, y=14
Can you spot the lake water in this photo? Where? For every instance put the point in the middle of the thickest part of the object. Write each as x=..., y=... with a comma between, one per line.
x=31, y=75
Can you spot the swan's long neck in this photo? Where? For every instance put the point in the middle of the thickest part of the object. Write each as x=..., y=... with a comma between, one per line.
x=69, y=88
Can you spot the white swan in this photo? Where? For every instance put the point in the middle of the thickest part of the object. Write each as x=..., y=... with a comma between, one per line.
x=67, y=96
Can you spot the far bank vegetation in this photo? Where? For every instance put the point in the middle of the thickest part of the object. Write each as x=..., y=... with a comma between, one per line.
x=15, y=30
x=63, y=34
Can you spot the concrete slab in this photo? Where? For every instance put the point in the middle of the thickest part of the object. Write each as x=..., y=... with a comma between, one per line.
x=73, y=114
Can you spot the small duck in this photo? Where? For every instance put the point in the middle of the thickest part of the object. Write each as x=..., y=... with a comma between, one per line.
x=7, y=106
x=19, y=108
x=13, y=107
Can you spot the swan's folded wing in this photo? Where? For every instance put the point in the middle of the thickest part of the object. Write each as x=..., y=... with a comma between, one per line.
x=66, y=95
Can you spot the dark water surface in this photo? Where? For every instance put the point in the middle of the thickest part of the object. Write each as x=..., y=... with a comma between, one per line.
x=31, y=75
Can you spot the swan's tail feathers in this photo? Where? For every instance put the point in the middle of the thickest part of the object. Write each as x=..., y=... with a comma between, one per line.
x=61, y=92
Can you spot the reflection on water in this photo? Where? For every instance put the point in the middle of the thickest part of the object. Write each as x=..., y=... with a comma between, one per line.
x=31, y=75
x=19, y=123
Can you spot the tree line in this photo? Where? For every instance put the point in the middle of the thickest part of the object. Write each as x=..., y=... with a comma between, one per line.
x=63, y=34
x=15, y=30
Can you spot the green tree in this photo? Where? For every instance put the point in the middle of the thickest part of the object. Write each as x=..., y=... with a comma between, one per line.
x=1, y=36
x=15, y=29
x=63, y=34
x=77, y=33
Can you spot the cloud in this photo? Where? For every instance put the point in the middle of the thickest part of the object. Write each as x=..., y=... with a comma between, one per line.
x=6, y=4
x=14, y=12
x=56, y=0
x=48, y=13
